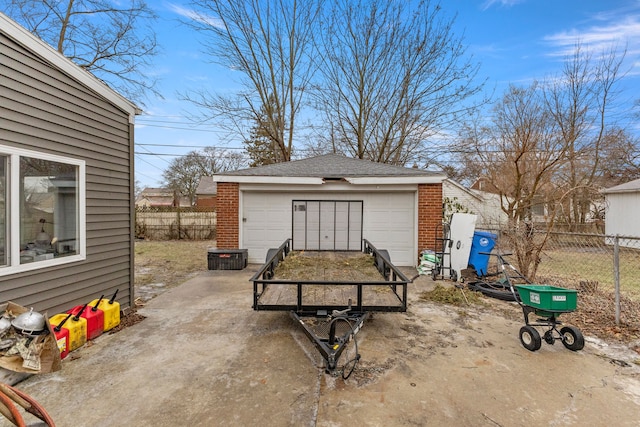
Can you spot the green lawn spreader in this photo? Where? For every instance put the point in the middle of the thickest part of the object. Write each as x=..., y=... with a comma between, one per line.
x=545, y=303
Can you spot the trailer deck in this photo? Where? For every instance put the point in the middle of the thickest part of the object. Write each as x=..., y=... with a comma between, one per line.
x=331, y=312
x=307, y=293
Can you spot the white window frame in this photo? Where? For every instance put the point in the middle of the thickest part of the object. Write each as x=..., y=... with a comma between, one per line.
x=13, y=214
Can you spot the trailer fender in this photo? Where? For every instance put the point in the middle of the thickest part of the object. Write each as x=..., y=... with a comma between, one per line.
x=271, y=256
x=382, y=263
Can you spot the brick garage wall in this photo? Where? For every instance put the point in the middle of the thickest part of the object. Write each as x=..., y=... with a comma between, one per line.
x=206, y=201
x=228, y=204
x=429, y=214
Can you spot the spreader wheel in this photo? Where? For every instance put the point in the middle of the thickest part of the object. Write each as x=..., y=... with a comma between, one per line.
x=530, y=338
x=572, y=338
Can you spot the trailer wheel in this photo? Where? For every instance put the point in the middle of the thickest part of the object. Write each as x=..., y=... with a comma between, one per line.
x=530, y=338
x=383, y=268
x=572, y=338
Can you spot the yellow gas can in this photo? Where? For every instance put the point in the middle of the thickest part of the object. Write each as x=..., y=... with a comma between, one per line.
x=111, y=310
x=77, y=327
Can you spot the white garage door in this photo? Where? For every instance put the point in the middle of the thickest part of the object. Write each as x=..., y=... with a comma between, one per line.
x=327, y=225
x=388, y=221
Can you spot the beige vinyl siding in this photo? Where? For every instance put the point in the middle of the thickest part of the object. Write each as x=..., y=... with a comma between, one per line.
x=485, y=205
x=43, y=109
x=622, y=215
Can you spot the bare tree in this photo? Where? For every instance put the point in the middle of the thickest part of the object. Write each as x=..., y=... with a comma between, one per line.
x=183, y=173
x=518, y=153
x=579, y=101
x=115, y=41
x=394, y=75
x=620, y=161
x=268, y=44
x=260, y=148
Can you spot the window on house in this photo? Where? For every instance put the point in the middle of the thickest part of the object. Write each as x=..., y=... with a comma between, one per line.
x=43, y=210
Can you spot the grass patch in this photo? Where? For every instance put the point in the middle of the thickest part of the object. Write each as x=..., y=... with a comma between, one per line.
x=568, y=268
x=452, y=295
x=170, y=262
x=328, y=266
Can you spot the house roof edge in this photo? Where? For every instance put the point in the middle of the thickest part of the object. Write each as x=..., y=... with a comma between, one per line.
x=20, y=34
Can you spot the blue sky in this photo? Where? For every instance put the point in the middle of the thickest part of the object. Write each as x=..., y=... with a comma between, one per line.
x=515, y=42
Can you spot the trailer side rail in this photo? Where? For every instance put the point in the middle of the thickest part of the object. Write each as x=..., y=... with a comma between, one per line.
x=363, y=296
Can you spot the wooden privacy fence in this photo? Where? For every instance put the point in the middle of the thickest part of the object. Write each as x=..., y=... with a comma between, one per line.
x=173, y=223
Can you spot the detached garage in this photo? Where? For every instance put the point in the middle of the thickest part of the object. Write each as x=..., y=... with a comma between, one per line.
x=621, y=217
x=329, y=202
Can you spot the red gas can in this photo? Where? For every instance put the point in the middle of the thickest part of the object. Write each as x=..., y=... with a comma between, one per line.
x=62, y=334
x=95, y=319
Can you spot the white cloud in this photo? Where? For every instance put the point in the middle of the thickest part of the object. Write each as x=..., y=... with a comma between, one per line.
x=194, y=15
x=617, y=31
x=505, y=3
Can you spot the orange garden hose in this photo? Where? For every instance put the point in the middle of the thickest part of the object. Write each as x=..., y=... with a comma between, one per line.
x=9, y=394
x=10, y=411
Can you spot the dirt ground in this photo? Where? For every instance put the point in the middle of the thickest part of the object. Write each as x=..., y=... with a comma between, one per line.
x=161, y=265
x=202, y=356
x=448, y=361
x=447, y=365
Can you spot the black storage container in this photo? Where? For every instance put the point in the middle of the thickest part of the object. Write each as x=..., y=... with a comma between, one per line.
x=227, y=259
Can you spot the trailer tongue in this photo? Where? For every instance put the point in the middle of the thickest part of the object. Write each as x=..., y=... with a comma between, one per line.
x=331, y=312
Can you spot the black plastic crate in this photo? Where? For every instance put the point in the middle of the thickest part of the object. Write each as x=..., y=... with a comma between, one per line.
x=227, y=259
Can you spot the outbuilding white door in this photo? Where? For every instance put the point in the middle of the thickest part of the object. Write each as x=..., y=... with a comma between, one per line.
x=388, y=221
x=327, y=225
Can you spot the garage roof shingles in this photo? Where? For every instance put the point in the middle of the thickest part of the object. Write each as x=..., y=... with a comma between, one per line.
x=332, y=166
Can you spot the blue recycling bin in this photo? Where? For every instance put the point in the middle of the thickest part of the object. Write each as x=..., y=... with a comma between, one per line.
x=483, y=241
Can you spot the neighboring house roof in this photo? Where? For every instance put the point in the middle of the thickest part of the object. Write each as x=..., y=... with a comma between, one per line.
x=154, y=201
x=472, y=193
x=42, y=49
x=151, y=191
x=484, y=185
x=206, y=187
x=331, y=167
x=627, y=187
x=159, y=197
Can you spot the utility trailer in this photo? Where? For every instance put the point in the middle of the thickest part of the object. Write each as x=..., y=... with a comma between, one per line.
x=331, y=312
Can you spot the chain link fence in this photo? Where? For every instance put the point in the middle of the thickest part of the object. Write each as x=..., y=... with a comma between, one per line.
x=590, y=263
x=593, y=262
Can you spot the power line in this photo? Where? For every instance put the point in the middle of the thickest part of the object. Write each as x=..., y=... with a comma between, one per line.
x=182, y=128
x=145, y=175
x=149, y=163
x=190, y=146
x=149, y=152
x=159, y=154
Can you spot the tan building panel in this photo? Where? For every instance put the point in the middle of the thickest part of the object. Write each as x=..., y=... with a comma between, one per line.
x=45, y=110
